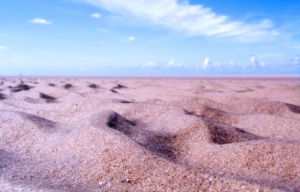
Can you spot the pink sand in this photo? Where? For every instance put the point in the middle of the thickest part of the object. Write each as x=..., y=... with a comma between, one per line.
x=150, y=134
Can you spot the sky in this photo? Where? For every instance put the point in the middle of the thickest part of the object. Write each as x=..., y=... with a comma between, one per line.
x=149, y=37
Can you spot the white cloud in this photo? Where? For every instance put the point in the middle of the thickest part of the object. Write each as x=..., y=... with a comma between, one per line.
x=193, y=19
x=40, y=21
x=150, y=64
x=206, y=63
x=131, y=38
x=96, y=15
x=172, y=63
x=2, y=48
x=256, y=63
x=253, y=60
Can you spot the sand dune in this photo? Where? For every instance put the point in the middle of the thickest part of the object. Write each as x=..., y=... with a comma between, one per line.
x=149, y=134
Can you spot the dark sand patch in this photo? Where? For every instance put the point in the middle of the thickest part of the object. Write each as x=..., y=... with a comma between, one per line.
x=293, y=108
x=93, y=86
x=224, y=134
x=2, y=96
x=47, y=98
x=68, y=86
x=43, y=124
x=119, y=86
x=20, y=87
x=32, y=100
x=159, y=144
x=244, y=90
x=210, y=91
x=114, y=91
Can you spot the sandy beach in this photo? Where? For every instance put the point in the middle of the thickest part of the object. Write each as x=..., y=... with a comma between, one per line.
x=149, y=134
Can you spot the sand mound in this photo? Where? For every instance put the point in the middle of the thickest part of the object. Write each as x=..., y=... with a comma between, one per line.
x=59, y=134
x=2, y=96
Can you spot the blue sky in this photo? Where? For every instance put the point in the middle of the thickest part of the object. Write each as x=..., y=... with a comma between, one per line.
x=149, y=37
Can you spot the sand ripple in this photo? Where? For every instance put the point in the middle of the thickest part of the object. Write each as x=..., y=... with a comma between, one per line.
x=89, y=134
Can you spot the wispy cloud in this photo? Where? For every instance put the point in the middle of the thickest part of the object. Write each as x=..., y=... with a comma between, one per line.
x=131, y=38
x=296, y=60
x=40, y=21
x=193, y=19
x=150, y=64
x=104, y=30
x=96, y=15
x=296, y=47
x=2, y=48
x=272, y=55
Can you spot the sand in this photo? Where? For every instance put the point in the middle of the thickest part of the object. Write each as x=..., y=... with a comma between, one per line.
x=149, y=134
